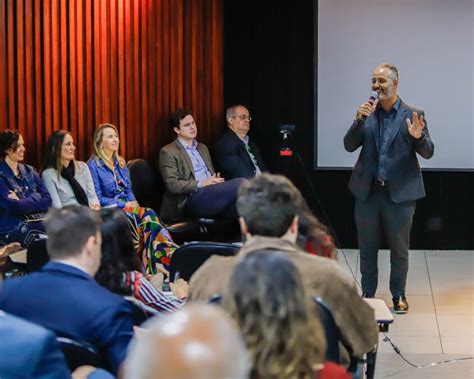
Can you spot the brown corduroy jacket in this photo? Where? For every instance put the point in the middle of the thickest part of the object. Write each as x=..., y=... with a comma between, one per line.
x=321, y=277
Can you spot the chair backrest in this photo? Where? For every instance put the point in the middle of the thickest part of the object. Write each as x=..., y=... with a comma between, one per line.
x=78, y=353
x=188, y=258
x=36, y=255
x=144, y=183
x=333, y=335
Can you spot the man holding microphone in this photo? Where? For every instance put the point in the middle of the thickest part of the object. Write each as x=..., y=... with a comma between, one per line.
x=386, y=179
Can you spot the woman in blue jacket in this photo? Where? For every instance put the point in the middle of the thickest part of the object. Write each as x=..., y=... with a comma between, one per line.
x=23, y=197
x=113, y=188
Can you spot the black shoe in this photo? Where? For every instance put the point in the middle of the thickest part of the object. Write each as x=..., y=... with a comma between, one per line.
x=400, y=305
x=366, y=295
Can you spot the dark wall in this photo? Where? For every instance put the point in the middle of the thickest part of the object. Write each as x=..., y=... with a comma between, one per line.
x=268, y=65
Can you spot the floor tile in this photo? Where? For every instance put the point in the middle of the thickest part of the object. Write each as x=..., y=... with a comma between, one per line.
x=393, y=367
x=458, y=345
x=430, y=345
x=456, y=325
x=454, y=304
x=415, y=325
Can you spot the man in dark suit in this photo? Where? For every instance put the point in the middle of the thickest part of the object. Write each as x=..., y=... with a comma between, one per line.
x=192, y=187
x=64, y=297
x=36, y=353
x=234, y=153
x=386, y=179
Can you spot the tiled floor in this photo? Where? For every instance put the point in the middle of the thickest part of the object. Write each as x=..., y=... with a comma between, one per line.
x=440, y=323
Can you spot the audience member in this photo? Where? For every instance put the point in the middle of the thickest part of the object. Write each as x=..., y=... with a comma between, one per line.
x=192, y=187
x=64, y=297
x=313, y=236
x=268, y=206
x=67, y=180
x=37, y=353
x=120, y=267
x=197, y=342
x=234, y=153
x=285, y=340
x=113, y=187
x=23, y=196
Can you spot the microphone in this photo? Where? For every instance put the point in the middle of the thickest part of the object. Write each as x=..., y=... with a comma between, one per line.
x=374, y=96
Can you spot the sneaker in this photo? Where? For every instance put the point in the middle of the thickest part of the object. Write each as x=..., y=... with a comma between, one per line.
x=366, y=295
x=400, y=305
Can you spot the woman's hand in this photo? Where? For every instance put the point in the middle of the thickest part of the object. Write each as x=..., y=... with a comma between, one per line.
x=13, y=196
x=95, y=207
x=132, y=204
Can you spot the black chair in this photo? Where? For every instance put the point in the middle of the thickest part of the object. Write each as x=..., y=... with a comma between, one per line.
x=78, y=353
x=36, y=255
x=333, y=336
x=145, y=186
x=360, y=367
x=189, y=257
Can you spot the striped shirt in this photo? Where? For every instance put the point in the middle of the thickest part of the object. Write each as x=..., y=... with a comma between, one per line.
x=144, y=291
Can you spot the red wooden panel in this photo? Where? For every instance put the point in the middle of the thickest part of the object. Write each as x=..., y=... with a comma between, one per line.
x=74, y=64
x=47, y=94
x=56, y=84
x=3, y=67
x=29, y=83
x=39, y=75
x=12, y=66
x=90, y=80
x=21, y=82
x=63, y=70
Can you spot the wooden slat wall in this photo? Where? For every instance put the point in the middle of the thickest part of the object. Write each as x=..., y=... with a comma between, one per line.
x=73, y=64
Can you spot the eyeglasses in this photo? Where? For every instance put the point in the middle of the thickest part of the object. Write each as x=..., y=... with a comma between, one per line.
x=243, y=117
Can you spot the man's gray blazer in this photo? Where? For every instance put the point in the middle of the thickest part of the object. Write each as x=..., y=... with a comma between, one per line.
x=405, y=182
x=177, y=172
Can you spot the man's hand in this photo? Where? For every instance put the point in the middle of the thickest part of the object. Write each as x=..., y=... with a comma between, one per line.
x=365, y=110
x=180, y=288
x=416, y=128
x=214, y=179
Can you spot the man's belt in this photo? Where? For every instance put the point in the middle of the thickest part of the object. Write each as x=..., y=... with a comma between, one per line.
x=381, y=182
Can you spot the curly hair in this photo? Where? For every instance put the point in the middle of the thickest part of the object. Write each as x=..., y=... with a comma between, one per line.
x=266, y=298
x=8, y=140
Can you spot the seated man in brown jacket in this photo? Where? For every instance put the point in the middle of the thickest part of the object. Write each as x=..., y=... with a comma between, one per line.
x=268, y=207
x=192, y=187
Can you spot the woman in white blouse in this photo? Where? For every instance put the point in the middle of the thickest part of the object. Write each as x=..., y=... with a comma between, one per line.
x=67, y=180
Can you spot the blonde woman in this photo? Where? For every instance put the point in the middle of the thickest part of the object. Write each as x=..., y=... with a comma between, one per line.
x=113, y=188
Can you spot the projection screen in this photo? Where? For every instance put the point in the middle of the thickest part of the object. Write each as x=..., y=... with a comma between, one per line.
x=430, y=41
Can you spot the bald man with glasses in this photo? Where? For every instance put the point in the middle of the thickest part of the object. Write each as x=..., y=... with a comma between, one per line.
x=235, y=155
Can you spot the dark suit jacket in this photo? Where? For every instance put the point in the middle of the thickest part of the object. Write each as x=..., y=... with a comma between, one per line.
x=29, y=351
x=69, y=302
x=232, y=159
x=177, y=172
x=405, y=182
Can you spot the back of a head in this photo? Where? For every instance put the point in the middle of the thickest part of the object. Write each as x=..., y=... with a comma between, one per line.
x=68, y=230
x=118, y=251
x=268, y=204
x=266, y=298
x=197, y=342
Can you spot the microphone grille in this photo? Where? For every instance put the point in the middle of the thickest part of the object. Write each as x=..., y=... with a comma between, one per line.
x=374, y=95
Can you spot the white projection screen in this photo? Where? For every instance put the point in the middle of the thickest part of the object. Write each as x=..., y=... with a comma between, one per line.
x=431, y=43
